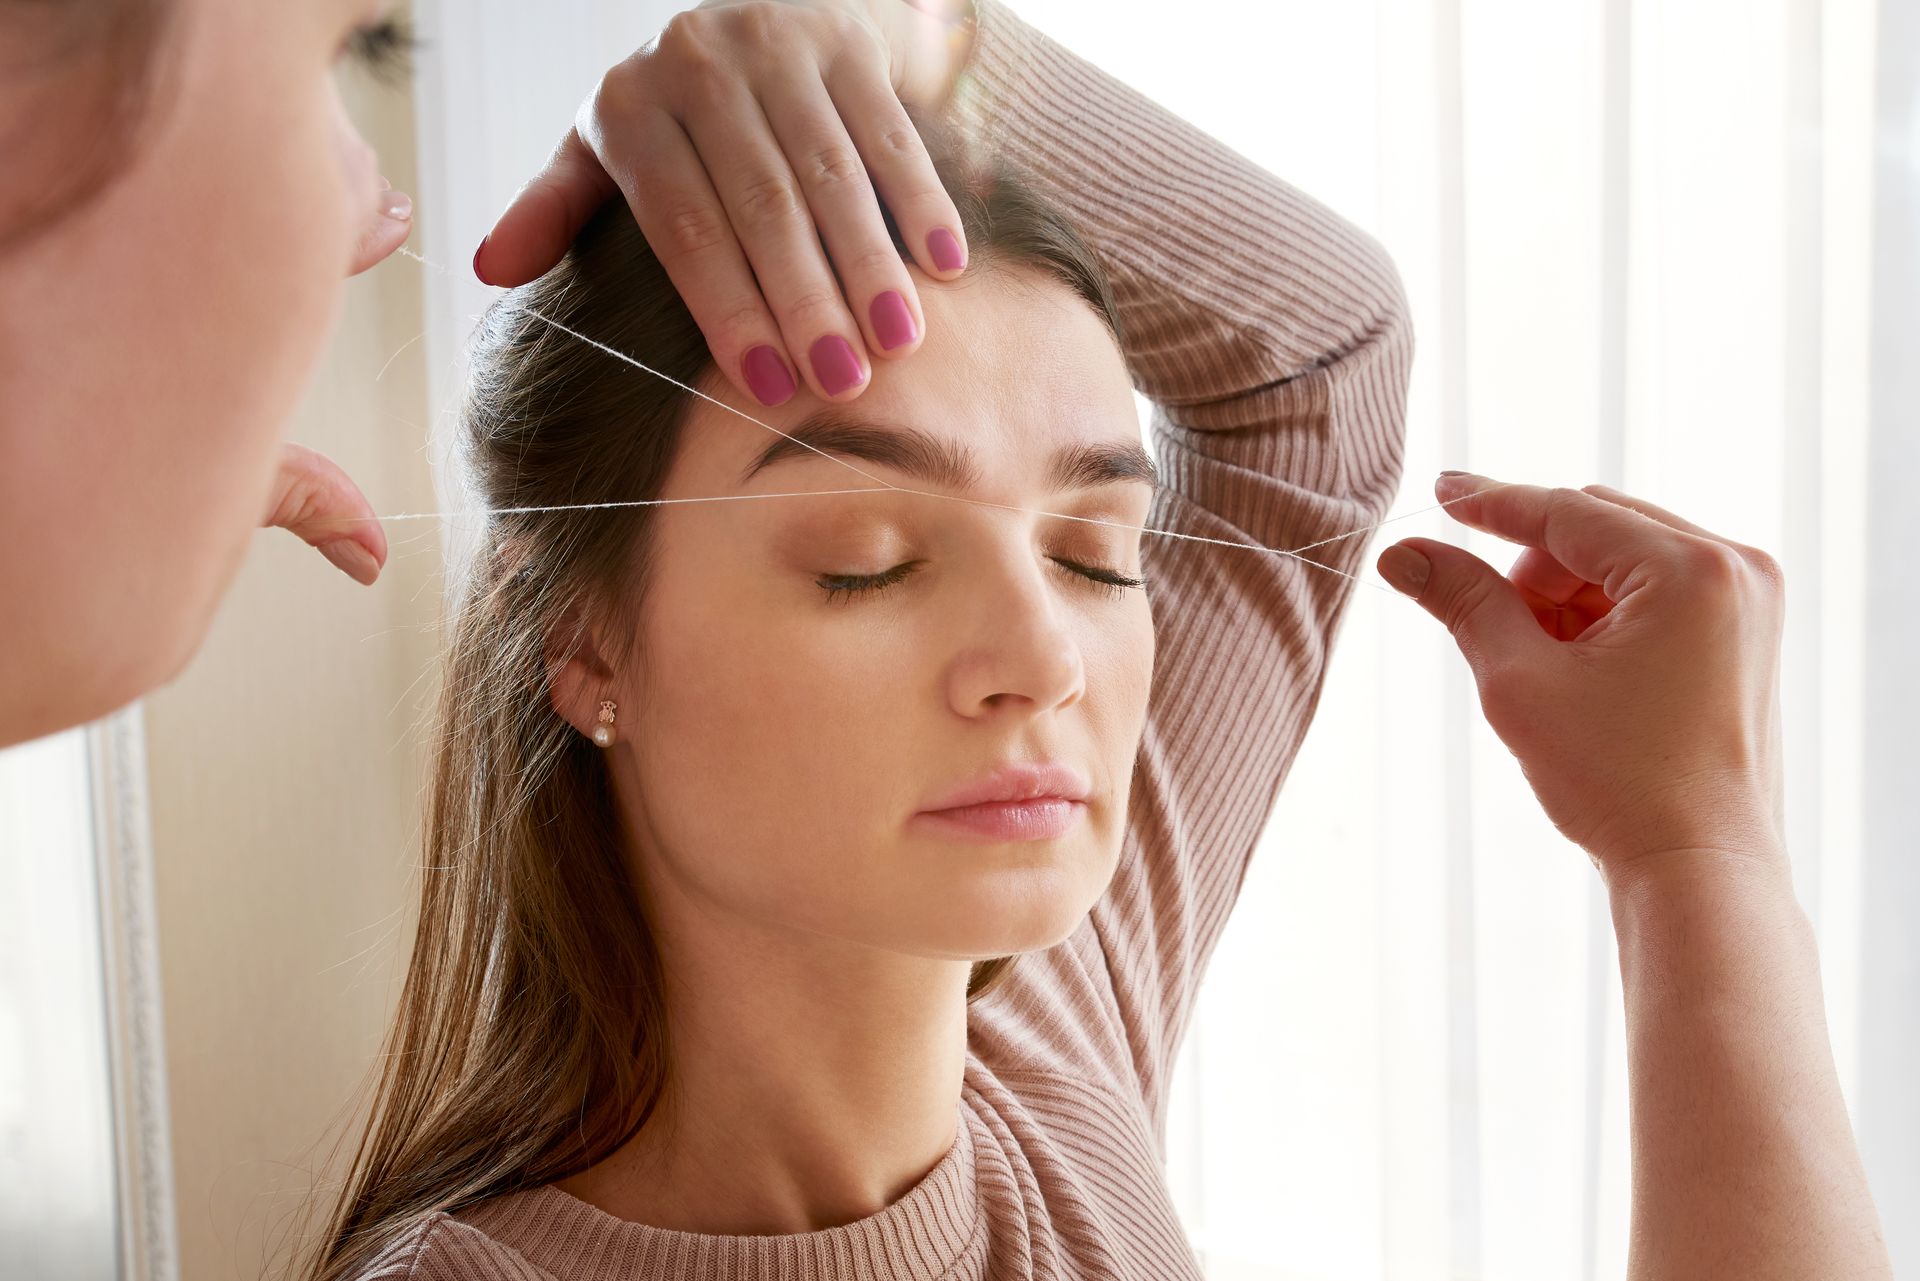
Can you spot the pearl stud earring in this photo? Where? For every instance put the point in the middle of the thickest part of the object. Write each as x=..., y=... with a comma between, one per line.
x=603, y=732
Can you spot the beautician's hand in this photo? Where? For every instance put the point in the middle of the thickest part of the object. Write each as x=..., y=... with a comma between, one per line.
x=319, y=502
x=751, y=132
x=311, y=495
x=1629, y=660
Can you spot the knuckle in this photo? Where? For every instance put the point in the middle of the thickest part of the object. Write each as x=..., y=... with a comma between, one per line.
x=858, y=46
x=1713, y=565
x=689, y=50
x=684, y=36
x=768, y=200
x=618, y=92
x=813, y=307
x=1560, y=508
x=1771, y=573
x=899, y=138
x=833, y=165
x=770, y=26
x=875, y=264
x=843, y=22
x=695, y=228
x=738, y=322
x=1563, y=500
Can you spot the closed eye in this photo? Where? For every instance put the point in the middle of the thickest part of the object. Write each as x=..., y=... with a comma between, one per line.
x=846, y=586
x=385, y=48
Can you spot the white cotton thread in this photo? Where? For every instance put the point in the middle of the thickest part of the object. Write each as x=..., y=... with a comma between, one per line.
x=882, y=484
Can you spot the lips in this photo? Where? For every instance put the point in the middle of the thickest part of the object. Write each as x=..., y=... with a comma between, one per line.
x=1014, y=782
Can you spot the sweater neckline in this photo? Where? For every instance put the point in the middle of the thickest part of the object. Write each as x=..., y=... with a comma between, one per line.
x=919, y=1237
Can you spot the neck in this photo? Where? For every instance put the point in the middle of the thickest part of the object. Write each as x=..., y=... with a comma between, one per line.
x=812, y=1082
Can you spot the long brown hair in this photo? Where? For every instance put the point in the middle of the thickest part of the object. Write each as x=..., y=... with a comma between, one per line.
x=530, y=1040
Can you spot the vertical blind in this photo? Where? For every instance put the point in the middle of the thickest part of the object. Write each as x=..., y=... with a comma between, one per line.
x=1640, y=241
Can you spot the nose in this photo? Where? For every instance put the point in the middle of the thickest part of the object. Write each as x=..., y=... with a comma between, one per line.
x=1022, y=649
x=359, y=163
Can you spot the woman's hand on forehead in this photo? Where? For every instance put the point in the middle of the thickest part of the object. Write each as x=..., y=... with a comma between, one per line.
x=756, y=141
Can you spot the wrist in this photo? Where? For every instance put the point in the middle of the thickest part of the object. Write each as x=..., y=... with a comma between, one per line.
x=1687, y=879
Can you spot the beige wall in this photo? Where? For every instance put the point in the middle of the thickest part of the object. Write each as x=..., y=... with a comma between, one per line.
x=286, y=770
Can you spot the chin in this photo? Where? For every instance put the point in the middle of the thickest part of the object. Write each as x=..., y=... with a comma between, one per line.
x=1026, y=913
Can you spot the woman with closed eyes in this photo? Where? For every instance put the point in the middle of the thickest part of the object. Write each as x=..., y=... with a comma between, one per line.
x=819, y=886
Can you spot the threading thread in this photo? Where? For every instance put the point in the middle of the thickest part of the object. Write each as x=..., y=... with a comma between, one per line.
x=881, y=483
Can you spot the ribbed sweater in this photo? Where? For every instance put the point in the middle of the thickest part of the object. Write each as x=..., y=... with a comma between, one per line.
x=1272, y=338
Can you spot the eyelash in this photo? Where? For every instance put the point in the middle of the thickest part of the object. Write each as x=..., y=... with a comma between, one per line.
x=385, y=48
x=1112, y=581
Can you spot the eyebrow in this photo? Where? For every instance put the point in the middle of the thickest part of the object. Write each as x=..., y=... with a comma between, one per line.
x=944, y=463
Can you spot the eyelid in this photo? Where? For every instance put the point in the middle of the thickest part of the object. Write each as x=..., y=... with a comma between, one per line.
x=1115, y=582
x=385, y=47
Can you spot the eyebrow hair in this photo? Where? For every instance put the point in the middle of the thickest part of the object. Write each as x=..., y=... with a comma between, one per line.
x=943, y=463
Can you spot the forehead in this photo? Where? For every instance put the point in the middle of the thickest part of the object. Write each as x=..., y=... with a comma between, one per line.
x=1013, y=363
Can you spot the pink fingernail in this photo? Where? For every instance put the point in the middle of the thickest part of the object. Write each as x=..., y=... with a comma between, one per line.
x=352, y=559
x=767, y=375
x=1405, y=569
x=892, y=321
x=944, y=248
x=481, y=275
x=834, y=364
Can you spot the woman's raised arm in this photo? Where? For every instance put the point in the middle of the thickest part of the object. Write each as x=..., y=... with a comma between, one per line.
x=1273, y=338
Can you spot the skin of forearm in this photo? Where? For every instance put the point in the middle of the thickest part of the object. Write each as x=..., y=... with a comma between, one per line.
x=1744, y=1161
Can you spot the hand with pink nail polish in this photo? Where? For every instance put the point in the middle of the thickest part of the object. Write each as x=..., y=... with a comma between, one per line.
x=767, y=215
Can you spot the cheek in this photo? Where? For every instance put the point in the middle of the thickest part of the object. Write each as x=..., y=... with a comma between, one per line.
x=771, y=719
x=180, y=315
x=1119, y=656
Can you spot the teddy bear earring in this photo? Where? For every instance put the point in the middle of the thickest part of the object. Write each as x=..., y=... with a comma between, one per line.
x=603, y=732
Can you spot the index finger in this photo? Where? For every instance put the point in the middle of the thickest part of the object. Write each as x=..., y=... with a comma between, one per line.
x=1600, y=541
x=540, y=222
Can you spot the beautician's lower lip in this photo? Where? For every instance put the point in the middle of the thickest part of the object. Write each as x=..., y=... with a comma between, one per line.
x=1038, y=819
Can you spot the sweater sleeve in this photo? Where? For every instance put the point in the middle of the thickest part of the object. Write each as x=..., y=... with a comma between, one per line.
x=1273, y=339
x=439, y=1247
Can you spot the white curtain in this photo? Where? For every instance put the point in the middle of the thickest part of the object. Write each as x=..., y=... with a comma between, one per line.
x=1667, y=246
x=1641, y=244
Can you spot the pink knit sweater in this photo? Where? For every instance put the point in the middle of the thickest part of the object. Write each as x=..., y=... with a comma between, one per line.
x=1273, y=339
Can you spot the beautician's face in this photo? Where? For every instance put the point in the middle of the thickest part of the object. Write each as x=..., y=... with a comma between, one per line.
x=782, y=742
x=153, y=344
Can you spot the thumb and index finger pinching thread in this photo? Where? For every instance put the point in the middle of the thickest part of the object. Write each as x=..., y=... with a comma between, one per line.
x=1603, y=542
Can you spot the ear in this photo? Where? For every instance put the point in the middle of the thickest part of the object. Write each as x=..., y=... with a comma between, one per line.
x=580, y=669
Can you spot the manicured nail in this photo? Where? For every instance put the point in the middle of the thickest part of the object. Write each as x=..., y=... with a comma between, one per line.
x=891, y=320
x=944, y=249
x=397, y=205
x=834, y=364
x=352, y=559
x=1454, y=473
x=476, y=259
x=767, y=375
x=1405, y=569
